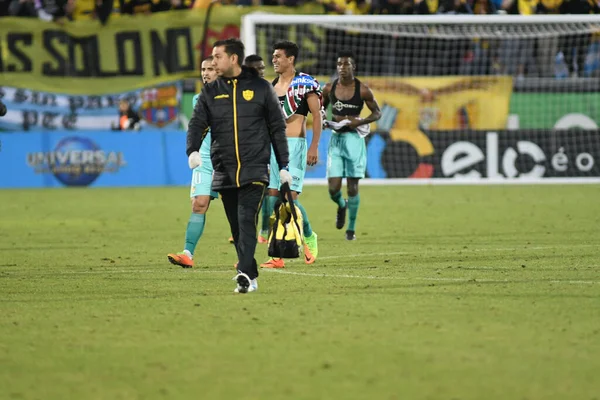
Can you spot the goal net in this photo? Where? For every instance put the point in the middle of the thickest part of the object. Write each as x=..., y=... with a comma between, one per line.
x=476, y=97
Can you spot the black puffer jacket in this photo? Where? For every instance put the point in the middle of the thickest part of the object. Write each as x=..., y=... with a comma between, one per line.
x=244, y=118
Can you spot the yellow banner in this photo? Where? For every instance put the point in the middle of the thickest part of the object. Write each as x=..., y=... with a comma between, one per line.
x=413, y=105
x=130, y=52
x=440, y=103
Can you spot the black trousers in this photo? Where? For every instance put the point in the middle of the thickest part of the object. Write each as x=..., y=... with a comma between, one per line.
x=241, y=207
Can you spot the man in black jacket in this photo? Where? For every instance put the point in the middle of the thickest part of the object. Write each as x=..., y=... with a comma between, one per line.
x=243, y=114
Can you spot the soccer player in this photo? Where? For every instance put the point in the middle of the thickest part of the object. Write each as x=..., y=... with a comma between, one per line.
x=347, y=154
x=201, y=192
x=255, y=61
x=298, y=94
x=244, y=117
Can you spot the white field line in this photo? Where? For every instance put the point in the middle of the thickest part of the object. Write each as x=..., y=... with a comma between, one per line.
x=320, y=275
x=418, y=278
x=467, y=250
x=120, y=270
x=463, y=181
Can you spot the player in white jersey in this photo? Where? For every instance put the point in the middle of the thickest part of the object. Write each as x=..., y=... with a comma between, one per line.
x=201, y=192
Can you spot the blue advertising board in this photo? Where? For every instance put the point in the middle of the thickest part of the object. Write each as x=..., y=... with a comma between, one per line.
x=97, y=158
x=120, y=158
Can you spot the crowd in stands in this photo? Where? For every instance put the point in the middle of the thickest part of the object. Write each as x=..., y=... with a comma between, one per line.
x=64, y=10
x=522, y=57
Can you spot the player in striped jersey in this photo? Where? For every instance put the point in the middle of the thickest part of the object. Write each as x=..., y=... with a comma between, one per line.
x=298, y=94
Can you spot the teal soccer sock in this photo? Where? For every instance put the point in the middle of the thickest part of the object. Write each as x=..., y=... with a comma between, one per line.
x=306, y=224
x=353, y=203
x=338, y=199
x=194, y=230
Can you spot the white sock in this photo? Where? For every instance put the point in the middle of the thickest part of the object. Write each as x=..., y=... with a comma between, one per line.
x=187, y=253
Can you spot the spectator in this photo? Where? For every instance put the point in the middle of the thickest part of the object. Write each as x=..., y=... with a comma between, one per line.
x=333, y=6
x=358, y=7
x=394, y=7
x=128, y=119
x=93, y=9
x=547, y=47
x=517, y=55
x=483, y=7
x=522, y=7
x=134, y=7
x=22, y=8
x=455, y=7
x=58, y=11
x=548, y=6
x=577, y=43
x=4, y=6
x=425, y=7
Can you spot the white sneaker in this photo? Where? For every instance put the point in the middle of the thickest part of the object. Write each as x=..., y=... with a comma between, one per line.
x=245, y=284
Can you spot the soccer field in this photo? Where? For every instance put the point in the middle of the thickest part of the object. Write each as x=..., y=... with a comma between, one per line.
x=462, y=292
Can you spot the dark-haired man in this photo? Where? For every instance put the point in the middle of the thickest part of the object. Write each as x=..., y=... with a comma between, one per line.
x=347, y=154
x=244, y=117
x=298, y=94
x=255, y=61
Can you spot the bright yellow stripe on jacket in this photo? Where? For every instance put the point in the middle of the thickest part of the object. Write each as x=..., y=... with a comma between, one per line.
x=235, y=134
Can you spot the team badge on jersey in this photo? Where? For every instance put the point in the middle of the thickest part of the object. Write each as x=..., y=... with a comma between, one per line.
x=248, y=94
x=159, y=105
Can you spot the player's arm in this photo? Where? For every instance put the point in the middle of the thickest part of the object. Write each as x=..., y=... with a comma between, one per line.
x=369, y=98
x=276, y=124
x=314, y=106
x=197, y=129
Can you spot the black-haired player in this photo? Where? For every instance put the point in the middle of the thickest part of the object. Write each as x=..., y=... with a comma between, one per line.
x=347, y=154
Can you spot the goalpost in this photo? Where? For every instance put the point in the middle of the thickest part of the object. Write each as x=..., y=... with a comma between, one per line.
x=464, y=98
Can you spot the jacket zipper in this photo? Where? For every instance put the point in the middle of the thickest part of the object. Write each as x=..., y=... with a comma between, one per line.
x=235, y=134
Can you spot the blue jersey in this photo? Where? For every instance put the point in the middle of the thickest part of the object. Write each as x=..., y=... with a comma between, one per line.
x=205, y=147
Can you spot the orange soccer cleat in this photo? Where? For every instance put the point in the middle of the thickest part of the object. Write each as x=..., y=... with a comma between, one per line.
x=309, y=258
x=181, y=259
x=262, y=240
x=274, y=263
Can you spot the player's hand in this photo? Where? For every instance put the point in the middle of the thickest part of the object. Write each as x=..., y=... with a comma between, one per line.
x=285, y=177
x=355, y=123
x=312, y=156
x=194, y=160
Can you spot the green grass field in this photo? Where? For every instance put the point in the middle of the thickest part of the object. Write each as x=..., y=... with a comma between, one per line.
x=465, y=292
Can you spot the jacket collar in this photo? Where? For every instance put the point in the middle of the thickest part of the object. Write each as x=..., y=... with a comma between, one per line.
x=247, y=73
